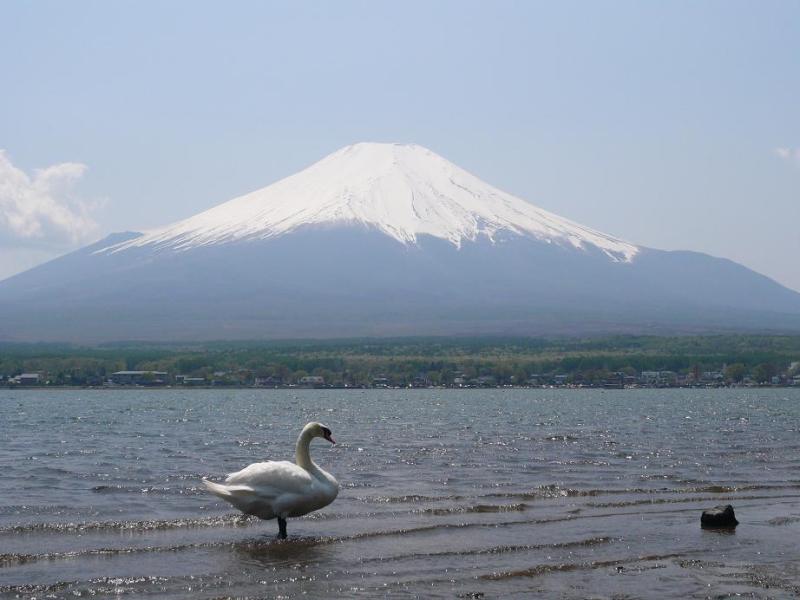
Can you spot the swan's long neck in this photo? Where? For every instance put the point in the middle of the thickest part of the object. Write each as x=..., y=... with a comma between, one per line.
x=302, y=456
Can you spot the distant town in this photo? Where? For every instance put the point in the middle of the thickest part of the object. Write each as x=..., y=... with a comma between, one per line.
x=726, y=376
x=614, y=363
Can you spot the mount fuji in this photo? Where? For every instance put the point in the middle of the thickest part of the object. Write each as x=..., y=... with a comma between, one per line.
x=381, y=240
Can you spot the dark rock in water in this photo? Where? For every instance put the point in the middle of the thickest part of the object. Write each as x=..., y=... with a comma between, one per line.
x=719, y=517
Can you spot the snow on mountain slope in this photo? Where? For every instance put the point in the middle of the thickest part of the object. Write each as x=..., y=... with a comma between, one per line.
x=404, y=191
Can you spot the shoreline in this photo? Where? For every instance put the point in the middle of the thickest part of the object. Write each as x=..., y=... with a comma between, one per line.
x=396, y=388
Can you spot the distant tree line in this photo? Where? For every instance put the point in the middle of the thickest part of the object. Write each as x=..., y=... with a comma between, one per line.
x=417, y=361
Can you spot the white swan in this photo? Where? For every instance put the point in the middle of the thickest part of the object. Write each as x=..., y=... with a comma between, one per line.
x=280, y=488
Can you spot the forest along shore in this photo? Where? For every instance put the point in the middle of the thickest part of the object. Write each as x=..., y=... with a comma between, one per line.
x=611, y=362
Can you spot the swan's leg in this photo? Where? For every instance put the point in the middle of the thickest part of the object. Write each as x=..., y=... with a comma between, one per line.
x=282, y=528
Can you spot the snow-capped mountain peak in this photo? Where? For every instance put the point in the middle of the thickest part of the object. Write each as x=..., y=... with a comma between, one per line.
x=403, y=190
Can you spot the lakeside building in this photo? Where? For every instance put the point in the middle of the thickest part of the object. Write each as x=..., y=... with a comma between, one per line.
x=27, y=379
x=139, y=378
x=659, y=378
x=312, y=381
x=420, y=381
x=188, y=380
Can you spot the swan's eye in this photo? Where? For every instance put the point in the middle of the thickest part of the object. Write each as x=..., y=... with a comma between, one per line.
x=326, y=432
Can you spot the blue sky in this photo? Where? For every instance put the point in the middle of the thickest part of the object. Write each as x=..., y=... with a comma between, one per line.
x=673, y=125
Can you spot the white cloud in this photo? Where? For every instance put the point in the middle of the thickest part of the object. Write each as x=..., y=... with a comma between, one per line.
x=41, y=208
x=790, y=154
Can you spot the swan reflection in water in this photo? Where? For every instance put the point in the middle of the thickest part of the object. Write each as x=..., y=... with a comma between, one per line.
x=266, y=552
x=281, y=489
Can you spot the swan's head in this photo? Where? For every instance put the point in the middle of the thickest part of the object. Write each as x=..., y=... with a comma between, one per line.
x=319, y=430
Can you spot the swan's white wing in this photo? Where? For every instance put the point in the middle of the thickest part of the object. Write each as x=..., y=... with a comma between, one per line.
x=282, y=477
x=276, y=488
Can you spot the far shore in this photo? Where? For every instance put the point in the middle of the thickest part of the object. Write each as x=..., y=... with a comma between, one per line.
x=110, y=388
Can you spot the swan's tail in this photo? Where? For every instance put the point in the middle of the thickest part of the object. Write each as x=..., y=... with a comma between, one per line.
x=217, y=489
x=242, y=497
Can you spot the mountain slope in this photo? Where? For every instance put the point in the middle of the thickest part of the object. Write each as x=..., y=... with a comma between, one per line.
x=379, y=240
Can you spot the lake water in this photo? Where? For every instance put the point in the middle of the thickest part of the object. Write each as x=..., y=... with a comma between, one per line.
x=445, y=493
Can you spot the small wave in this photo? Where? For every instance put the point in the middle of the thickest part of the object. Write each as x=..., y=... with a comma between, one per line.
x=478, y=508
x=407, y=499
x=147, y=489
x=236, y=520
x=439, y=512
x=36, y=509
x=10, y=559
x=552, y=490
x=546, y=569
x=784, y=520
x=730, y=489
x=695, y=563
x=561, y=438
x=445, y=526
x=585, y=543
x=21, y=559
x=102, y=586
x=542, y=492
x=642, y=501
x=230, y=520
x=404, y=512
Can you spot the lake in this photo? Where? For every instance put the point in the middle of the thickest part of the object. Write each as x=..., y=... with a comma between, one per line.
x=444, y=493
